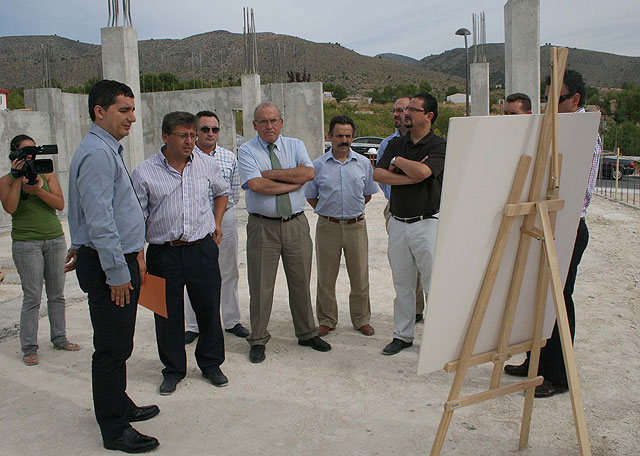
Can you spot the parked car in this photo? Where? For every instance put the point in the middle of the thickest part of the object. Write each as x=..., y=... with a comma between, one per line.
x=608, y=167
x=364, y=144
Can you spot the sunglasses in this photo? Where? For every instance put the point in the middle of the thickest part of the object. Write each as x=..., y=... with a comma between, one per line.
x=206, y=129
x=562, y=98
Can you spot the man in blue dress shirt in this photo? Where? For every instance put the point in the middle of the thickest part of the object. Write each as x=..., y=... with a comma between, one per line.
x=107, y=240
x=273, y=170
x=342, y=186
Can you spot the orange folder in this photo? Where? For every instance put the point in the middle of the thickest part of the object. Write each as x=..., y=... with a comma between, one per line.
x=153, y=295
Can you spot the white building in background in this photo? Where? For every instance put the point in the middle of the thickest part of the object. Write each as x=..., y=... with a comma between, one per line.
x=456, y=98
x=4, y=103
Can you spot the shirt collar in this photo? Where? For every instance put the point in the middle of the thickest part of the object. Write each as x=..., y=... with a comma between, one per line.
x=581, y=109
x=351, y=156
x=107, y=137
x=264, y=144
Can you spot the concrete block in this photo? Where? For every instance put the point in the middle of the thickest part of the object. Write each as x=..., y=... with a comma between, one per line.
x=479, y=89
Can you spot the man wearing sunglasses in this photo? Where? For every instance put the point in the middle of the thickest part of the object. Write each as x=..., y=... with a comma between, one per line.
x=207, y=130
x=174, y=188
x=551, y=367
x=413, y=166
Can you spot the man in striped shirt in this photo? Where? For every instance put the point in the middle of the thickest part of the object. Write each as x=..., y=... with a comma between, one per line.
x=173, y=187
x=208, y=130
x=551, y=367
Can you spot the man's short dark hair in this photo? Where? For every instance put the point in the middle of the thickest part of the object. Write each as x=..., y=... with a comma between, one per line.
x=206, y=114
x=523, y=98
x=575, y=84
x=177, y=118
x=429, y=104
x=17, y=140
x=342, y=120
x=104, y=94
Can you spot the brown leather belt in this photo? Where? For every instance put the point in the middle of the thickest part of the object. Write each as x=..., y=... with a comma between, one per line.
x=347, y=221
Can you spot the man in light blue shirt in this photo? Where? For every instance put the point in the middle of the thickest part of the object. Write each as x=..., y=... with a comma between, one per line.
x=401, y=130
x=107, y=238
x=342, y=186
x=273, y=170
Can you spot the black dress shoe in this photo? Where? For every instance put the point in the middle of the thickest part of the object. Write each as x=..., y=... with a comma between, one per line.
x=520, y=370
x=190, y=336
x=239, y=330
x=396, y=346
x=132, y=442
x=316, y=343
x=419, y=318
x=548, y=389
x=256, y=354
x=168, y=385
x=143, y=413
x=216, y=377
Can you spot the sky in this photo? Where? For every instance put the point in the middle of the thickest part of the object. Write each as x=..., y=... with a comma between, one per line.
x=410, y=27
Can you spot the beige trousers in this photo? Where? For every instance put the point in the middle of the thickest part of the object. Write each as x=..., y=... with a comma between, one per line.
x=267, y=241
x=331, y=240
x=419, y=290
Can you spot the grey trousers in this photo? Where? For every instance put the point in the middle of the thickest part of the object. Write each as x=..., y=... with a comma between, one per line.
x=267, y=241
x=411, y=249
x=35, y=261
x=420, y=297
x=331, y=240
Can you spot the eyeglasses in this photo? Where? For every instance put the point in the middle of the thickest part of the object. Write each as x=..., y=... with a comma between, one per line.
x=265, y=122
x=206, y=129
x=412, y=109
x=183, y=136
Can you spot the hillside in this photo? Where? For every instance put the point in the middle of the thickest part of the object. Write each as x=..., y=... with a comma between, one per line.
x=599, y=69
x=210, y=56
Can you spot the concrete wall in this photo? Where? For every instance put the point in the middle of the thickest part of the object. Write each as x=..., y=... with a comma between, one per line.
x=63, y=119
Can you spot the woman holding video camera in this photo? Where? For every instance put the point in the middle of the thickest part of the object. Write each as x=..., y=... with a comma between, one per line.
x=39, y=249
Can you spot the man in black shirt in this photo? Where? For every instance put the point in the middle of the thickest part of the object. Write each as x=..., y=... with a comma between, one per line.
x=413, y=166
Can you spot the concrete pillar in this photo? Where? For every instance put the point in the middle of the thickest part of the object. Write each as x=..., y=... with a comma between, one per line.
x=120, y=63
x=522, y=49
x=251, y=97
x=480, y=89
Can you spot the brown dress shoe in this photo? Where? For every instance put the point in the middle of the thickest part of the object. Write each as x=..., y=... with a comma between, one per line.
x=323, y=330
x=367, y=330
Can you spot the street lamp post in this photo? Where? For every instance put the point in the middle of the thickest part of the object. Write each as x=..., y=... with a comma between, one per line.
x=465, y=32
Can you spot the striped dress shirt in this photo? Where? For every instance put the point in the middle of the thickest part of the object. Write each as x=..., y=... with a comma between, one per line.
x=229, y=167
x=176, y=206
x=593, y=173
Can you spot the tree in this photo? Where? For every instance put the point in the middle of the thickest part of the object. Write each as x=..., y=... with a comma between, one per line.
x=451, y=90
x=425, y=87
x=338, y=91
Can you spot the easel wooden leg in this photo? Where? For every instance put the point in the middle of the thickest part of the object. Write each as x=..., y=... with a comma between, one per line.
x=565, y=334
x=442, y=433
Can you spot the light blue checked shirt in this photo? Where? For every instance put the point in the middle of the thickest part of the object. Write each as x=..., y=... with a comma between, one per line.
x=229, y=166
x=341, y=187
x=593, y=173
x=177, y=206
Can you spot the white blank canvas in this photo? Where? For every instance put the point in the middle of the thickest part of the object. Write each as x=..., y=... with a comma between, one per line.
x=481, y=160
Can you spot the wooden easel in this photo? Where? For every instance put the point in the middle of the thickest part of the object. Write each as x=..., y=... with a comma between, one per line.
x=548, y=271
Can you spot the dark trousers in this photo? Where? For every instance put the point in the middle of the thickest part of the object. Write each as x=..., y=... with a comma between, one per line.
x=195, y=266
x=551, y=365
x=113, y=328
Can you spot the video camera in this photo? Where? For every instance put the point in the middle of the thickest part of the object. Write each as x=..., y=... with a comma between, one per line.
x=33, y=167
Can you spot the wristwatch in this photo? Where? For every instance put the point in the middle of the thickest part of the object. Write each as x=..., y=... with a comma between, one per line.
x=393, y=161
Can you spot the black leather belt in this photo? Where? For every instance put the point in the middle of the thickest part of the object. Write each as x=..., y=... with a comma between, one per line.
x=178, y=243
x=347, y=221
x=428, y=215
x=279, y=219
